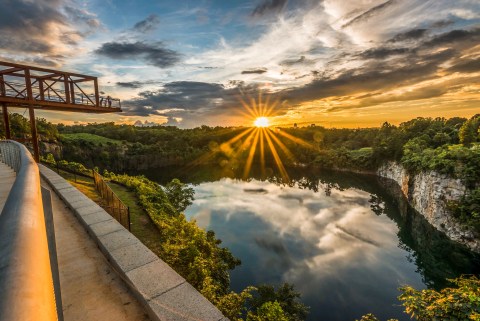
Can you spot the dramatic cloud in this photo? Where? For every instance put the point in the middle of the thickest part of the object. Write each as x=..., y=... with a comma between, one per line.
x=151, y=53
x=316, y=59
x=383, y=69
x=50, y=29
x=371, y=13
x=147, y=25
x=467, y=66
x=455, y=36
x=192, y=101
x=413, y=34
x=383, y=52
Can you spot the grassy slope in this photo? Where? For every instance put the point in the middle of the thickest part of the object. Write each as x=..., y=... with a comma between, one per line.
x=90, y=138
x=141, y=225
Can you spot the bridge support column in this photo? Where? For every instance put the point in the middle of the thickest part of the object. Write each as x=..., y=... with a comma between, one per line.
x=33, y=127
x=6, y=121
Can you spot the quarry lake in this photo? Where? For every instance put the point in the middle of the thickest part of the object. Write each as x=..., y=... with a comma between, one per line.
x=346, y=242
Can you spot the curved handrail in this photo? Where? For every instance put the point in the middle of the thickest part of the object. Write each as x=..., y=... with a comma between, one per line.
x=26, y=283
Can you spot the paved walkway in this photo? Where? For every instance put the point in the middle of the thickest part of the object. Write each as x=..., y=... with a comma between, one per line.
x=91, y=290
x=7, y=177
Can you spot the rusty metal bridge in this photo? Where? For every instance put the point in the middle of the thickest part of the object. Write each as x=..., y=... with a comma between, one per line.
x=48, y=89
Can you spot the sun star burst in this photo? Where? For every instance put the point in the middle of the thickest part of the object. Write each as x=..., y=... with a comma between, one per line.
x=261, y=122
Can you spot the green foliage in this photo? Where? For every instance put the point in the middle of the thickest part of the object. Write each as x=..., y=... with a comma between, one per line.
x=459, y=303
x=232, y=305
x=285, y=296
x=20, y=128
x=180, y=195
x=49, y=159
x=467, y=210
x=192, y=252
x=469, y=132
x=269, y=311
x=88, y=138
x=453, y=160
x=371, y=317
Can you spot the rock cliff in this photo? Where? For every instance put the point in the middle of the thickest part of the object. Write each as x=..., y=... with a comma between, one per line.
x=427, y=193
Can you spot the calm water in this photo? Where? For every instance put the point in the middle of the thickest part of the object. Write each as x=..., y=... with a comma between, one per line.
x=345, y=241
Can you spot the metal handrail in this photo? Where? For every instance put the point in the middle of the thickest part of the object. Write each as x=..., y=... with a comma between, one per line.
x=79, y=99
x=26, y=283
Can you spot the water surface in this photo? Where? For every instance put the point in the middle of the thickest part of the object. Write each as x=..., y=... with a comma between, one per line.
x=341, y=239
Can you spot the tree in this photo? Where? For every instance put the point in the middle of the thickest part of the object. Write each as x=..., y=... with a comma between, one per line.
x=469, y=132
x=269, y=311
x=285, y=296
x=458, y=303
x=179, y=194
x=455, y=303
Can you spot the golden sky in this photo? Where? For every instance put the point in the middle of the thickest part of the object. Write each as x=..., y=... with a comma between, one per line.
x=187, y=63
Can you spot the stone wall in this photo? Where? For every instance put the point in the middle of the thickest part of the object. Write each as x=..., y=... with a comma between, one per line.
x=427, y=193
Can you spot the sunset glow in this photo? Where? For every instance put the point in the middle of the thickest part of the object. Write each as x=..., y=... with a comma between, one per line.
x=330, y=63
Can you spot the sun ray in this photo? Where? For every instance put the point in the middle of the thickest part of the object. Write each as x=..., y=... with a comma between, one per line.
x=281, y=145
x=262, y=152
x=277, y=159
x=271, y=107
x=251, y=154
x=255, y=107
x=247, y=107
x=244, y=144
x=296, y=139
x=260, y=103
x=239, y=136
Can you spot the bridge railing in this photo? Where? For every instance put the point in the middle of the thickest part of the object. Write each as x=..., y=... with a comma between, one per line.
x=27, y=290
x=54, y=94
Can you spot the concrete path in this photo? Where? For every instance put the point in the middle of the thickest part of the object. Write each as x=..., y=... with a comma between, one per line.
x=7, y=177
x=91, y=290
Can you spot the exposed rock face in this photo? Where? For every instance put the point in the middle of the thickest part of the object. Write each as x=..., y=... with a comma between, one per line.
x=427, y=193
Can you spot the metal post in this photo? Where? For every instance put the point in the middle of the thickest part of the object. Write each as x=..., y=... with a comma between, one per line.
x=3, y=91
x=33, y=126
x=72, y=92
x=67, y=88
x=42, y=91
x=6, y=121
x=97, y=97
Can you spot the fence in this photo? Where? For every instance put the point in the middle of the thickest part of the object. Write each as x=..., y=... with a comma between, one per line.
x=114, y=206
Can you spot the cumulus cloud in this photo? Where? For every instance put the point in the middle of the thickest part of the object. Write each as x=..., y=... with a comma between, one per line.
x=155, y=54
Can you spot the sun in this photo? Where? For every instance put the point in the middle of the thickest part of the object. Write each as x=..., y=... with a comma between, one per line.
x=261, y=122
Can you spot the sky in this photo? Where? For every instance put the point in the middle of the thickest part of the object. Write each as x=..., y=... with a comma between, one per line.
x=332, y=63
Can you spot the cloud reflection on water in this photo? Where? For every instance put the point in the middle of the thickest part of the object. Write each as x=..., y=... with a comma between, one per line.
x=342, y=257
